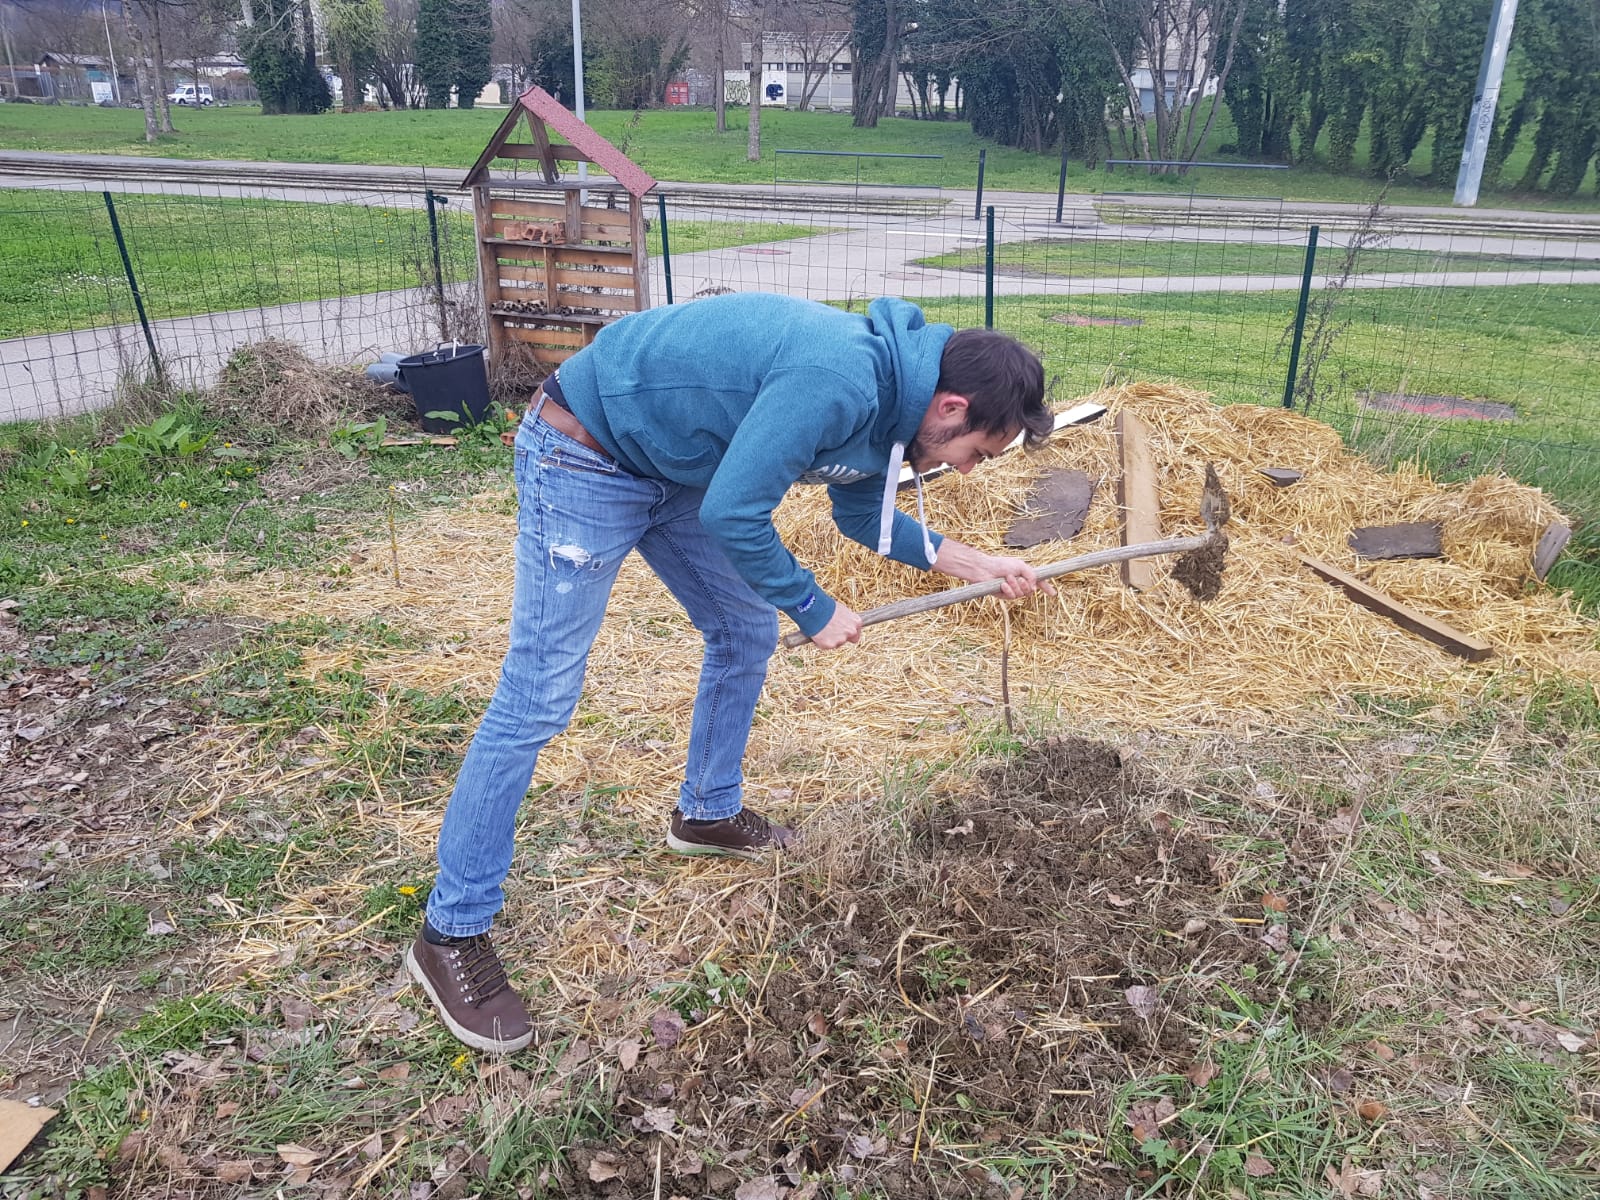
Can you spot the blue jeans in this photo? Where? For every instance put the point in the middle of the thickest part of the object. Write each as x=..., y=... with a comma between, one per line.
x=580, y=514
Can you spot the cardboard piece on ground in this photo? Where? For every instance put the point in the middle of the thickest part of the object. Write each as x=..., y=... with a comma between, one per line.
x=19, y=1125
x=1056, y=511
x=1411, y=539
x=1137, y=498
x=1281, y=476
x=1473, y=649
x=1550, y=546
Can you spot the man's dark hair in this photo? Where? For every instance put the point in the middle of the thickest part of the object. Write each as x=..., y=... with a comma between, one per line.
x=1002, y=380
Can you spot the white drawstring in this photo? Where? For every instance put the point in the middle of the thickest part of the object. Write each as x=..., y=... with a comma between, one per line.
x=922, y=520
x=886, y=517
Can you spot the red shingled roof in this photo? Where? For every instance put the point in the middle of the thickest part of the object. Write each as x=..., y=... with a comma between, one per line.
x=541, y=106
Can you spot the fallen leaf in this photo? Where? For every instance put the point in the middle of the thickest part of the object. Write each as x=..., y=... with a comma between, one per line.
x=396, y=1073
x=1340, y=1081
x=578, y=1053
x=1146, y=1118
x=1202, y=1073
x=858, y=1145
x=1195, y=925
x=1143, y=1000
x=296, y=1155
x=604, y=1166
x=1382, y=1051
x=296, y=1013
x=687, y=1162
x=764, y=1187
x=628, y=1053
x=668, y=1027
x=1559, y=907
x=226, y=1109
x=655, y=1120
x=1274, y=902
x=965, y=827
x=817, y=1023
x=172, y=1158
x=1276, y=938
x=1117, y=901
x=372, y=1148
x=237, y=1170
x=1371, y=1110
x=1257, y=1167
x=1570, y=1042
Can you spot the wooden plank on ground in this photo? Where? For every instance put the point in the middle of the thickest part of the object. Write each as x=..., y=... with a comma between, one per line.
x=1473, y=649
x=1549, y=549
x=1138, y=499
x=1410, y=539
x=19, y=1124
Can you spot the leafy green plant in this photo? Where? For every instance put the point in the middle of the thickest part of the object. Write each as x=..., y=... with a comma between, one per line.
x=355, y=438
x=164, y=437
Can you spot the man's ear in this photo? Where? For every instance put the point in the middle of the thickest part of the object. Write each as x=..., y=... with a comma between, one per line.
x=950, y=405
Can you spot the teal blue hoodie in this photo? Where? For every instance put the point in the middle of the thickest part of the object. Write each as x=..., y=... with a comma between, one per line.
x=745, y=395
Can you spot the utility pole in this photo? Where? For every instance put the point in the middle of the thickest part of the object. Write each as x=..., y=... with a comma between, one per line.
x=1481, y=124
x=577, y=79
x=116, y=89
x=5, y=35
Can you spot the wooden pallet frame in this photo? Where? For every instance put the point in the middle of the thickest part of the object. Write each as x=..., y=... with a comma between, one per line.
x=552, y=269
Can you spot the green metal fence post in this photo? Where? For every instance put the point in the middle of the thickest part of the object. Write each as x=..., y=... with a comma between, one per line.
x=977, y=204
x=1300, y=318
x=988, y=271
x=133, y=286
x=666, y=250
x=438, y=267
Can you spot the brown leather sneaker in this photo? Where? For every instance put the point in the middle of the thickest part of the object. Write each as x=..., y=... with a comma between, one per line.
x=468, y=985
x=746, y=834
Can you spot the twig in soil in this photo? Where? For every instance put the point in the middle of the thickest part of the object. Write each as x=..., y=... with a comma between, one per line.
x=394, y=540
x=99, y=1011
x=1005, y=667
x=376, y=1168
x=899, y=966
x=922, y=1117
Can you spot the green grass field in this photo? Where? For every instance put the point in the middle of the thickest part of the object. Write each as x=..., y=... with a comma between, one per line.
x=1099, y=258
x=60, y=268
x=683, y=146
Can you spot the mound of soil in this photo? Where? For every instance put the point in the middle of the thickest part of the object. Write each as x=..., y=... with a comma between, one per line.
x=990, y=980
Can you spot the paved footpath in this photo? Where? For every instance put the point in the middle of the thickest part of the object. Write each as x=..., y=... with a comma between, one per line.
x=860, y=255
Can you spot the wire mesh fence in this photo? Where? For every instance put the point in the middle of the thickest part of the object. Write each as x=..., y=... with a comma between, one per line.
x=100, y=289
x=1470, y=348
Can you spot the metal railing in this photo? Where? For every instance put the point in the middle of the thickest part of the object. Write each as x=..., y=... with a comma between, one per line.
x=858, y=155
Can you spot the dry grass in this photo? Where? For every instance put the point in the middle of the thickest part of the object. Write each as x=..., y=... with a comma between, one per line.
x=950, y=957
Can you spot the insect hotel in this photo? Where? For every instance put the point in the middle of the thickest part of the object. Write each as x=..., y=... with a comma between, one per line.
x=555, y=269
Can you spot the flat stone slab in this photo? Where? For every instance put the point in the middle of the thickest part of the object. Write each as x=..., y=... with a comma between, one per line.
x=1056, y=511
x=1281, y=476
x=1454, y=408
x=1413, y=539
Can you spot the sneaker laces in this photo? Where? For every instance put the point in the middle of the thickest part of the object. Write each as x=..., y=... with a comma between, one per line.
x=482, y=974
x=753, y=823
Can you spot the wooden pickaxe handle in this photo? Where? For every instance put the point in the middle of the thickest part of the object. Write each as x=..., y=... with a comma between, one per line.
x=990, y=587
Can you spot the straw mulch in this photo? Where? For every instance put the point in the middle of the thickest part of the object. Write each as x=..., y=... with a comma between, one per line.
x=1276, y=640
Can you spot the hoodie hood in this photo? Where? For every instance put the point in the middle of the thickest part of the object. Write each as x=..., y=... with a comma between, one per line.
x=914, y=347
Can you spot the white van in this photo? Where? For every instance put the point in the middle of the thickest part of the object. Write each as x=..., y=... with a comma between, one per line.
x=185, y=93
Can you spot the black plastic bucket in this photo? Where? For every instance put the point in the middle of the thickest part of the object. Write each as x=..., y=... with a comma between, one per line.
x=451, y=380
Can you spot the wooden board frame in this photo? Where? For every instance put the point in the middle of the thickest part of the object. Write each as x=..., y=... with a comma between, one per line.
x=1138, y=497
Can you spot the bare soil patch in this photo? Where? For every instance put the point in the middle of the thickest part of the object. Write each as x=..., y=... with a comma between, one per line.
x=985, y=980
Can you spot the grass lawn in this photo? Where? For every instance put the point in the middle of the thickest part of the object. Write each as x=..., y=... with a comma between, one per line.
x=60, y=268
x=684, y=146
x=1095, y=258
x=1344, y=950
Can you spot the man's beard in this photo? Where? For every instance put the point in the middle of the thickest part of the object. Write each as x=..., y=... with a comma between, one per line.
x=923, y=445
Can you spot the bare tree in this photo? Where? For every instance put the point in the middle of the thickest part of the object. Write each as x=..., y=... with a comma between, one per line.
x=1186, y=42
x=197, y=30
x=396, y=53
x=756, y=15
x=819, y=30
